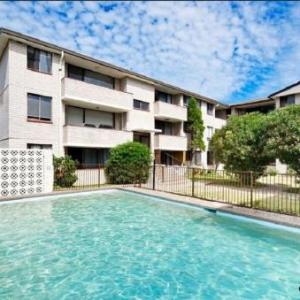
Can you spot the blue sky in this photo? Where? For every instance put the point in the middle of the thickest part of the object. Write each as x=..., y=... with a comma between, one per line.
x=230, y=51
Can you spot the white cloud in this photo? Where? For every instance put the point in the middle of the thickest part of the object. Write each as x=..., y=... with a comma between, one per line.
x=223, y=50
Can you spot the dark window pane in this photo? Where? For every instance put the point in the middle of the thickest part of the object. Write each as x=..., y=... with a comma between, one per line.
x=287, y=100
x=104, y=155
x=74, y=115
x=186, y=100
x=39, y=60
x=39, y=107
x=210, y=158
x=98, y=79
x=75, y=72
x=33, y=106
x=145, y=106
x=137, y=104
x=164, y=97
x=45, y=62
x=45, y=108
x=210, y=109
x=39, y=146
x=32, y=58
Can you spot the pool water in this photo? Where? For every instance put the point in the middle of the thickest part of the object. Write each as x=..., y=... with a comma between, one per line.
x=122, y=245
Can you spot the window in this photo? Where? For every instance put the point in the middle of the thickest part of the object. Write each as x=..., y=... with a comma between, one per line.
x=137, y=104
x=186, y=126
x=90, y=118
x=287, y=100
x=39, y=146
x=210, y=132
x=39, y=107
x=90, y=77
x=39, y=60
x=210, y=109
x=165, y=127
x=89, y=157
x=186, y=100
x=164, y=97
x=141, y=137
x=210, y=158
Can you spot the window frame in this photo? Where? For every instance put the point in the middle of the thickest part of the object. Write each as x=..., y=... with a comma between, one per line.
x=84, y=112
x=169, y=101
x=283, y=100
x=42, y=146
x=208, y=111
x=210, y=129
x=83, y=76
x=39, y=118
x=140, y=102
x=38, y=69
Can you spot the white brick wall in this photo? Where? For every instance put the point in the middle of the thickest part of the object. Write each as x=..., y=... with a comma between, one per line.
x=23, y=81
x=4, y=67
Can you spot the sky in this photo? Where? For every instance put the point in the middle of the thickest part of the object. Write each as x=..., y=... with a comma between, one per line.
x=228, y=51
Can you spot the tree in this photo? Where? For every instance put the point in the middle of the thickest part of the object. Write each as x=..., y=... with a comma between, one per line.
x=128, y=163
x=64, y=171
x=216, y=145
x=284, y=136
x=241, y=145
x=195, y=126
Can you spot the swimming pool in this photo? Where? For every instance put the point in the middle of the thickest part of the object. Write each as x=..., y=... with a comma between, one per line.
x=122, y=245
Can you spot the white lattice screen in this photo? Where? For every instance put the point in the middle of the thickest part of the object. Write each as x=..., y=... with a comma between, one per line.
x=25, y=172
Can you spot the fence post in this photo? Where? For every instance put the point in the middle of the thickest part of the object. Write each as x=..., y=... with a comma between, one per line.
x=251, y=189
x=99, y=176
x=193, y=182
x=153, y=176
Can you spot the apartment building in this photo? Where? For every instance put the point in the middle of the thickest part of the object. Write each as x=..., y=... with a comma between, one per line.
x=287, y=96
x=51, y=97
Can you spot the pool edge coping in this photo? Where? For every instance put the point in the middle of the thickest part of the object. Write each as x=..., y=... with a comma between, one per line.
x=250, y=213
x=254, y=214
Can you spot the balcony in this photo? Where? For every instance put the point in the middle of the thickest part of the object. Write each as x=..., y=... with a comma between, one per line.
x=169, y=112
x=80, y=136
x=219, y=123
x=170, y=142
x=80, y=93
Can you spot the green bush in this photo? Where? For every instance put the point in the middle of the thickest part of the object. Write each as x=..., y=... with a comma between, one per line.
x=128, y=163
x=241, y=146
x=64, y=171
x=284, y=136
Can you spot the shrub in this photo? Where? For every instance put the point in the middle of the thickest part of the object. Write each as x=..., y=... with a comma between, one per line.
x=241, y=146
x=128, y=163
x=284, y=136
x=64, y=171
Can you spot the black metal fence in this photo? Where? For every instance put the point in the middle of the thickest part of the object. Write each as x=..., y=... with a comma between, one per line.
x=88, y=176
x=273, y=192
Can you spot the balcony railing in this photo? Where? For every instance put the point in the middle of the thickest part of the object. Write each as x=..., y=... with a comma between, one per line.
x=170, y=142
x=80, y=92
x=163, y=110
x=80, y=136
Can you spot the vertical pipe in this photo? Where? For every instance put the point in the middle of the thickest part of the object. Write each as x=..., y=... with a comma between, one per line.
x=251, y=189
x=153, y=176
x=99, y=175
x=193, y=182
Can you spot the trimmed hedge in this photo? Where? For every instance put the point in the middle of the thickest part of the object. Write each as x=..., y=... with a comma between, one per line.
x=128, y=163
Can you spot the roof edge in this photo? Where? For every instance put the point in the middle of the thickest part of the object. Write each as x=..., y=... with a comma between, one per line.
x=31, y=39
x=284, y=89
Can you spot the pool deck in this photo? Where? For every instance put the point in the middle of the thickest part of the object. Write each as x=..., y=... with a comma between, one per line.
x=276, y=218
